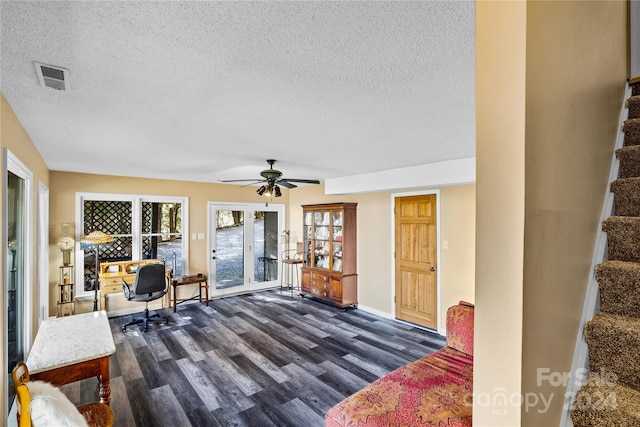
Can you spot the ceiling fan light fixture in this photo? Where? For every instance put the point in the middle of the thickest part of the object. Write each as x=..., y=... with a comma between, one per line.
x=277, y=191
x=261, y=190
x=269, y=191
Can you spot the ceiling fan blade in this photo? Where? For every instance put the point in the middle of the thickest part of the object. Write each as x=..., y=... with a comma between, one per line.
x=242, y=180
x=284, y=183
x=304, y=181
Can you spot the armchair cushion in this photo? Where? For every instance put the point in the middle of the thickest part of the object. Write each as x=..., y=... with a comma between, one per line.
x=460, y=327
x=50, y=407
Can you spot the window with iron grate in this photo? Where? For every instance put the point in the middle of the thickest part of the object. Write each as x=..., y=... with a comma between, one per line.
x=143, y=227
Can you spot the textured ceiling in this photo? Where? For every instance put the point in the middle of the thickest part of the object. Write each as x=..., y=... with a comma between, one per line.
x=204, y=91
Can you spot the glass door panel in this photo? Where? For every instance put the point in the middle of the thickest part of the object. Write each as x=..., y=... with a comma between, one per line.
x=229, y=249
x=266, y=246
x=16, y=209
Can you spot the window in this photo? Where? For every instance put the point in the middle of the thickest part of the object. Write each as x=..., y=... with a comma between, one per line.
x=143, y=227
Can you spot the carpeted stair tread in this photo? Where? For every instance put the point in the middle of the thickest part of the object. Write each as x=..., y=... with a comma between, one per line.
x=627, y=196
x=629, y=158
x=613, y=346
x=633, y=104
x=631, y=129
x=623, y=236
x=619, y=286
x=602, y=402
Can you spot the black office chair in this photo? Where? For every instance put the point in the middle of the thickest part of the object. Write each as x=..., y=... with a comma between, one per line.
x=150, y=284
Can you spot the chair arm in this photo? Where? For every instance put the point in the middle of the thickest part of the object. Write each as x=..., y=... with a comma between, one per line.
x=126, y=290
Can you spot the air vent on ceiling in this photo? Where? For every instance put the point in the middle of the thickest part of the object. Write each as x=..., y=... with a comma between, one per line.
x=53, y=76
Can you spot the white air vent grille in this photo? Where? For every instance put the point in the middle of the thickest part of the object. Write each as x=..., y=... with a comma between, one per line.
x=53, y=76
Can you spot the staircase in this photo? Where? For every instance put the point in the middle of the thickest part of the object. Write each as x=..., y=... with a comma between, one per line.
x=610, y=395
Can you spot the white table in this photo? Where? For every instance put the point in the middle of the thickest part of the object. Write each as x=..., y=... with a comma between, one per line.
x=72, y=348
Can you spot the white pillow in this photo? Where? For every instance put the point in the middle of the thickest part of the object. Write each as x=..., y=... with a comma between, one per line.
x=51, y=408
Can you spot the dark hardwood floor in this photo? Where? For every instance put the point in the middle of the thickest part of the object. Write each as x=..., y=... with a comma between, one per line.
x=262, y=359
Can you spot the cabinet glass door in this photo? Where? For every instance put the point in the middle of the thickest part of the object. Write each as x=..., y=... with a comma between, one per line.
x=321, y=239
x=336, y=246
x=307, y=235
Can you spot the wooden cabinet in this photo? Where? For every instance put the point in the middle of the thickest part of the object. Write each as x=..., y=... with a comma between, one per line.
x=329, y=238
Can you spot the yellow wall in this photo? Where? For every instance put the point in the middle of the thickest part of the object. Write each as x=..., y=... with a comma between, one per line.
x=549, y=85
x=13, y=137
x=575, y=85
x=500, y=200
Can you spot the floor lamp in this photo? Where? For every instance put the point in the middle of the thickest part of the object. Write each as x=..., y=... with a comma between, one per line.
x=96, y=238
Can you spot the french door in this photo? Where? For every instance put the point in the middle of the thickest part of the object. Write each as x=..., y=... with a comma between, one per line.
x=244, y=247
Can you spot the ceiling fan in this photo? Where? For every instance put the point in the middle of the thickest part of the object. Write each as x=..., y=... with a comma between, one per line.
x=272, y=180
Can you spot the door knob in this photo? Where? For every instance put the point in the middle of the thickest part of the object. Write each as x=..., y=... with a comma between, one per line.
x=432, y=269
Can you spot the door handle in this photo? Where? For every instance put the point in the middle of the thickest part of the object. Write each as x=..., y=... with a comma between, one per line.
x=433, y=269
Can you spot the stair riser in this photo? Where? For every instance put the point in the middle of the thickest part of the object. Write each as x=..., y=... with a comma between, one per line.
x=631, y=130
x=633, y=104
x=619, y=291
x=629, y=158
x=614, y=351
x=623, y=240
x=627, y=197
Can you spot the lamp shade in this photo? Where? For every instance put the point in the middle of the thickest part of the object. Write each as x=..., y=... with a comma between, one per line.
x=96, y=238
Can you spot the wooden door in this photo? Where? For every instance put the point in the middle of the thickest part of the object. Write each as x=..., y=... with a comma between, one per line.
x=415, y=259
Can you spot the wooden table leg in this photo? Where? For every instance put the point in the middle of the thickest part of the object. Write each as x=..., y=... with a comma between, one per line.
x=206, y=292
x=105, y=382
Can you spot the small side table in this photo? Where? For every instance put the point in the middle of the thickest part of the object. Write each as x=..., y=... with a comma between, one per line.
x=200, y=279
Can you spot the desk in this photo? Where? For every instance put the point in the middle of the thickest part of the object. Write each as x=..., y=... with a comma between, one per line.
x=112, y=274
x=73, y=348
x=201, y=279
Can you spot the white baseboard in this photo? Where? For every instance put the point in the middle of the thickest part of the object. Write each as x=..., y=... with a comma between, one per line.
x=375, y=311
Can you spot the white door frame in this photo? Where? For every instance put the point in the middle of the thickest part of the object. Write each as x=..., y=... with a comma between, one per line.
x=43, y=252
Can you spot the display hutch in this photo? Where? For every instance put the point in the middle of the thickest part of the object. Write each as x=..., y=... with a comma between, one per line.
x=329, y=237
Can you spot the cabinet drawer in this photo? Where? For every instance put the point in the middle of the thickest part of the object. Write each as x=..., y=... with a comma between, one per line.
x=111, y=289
x=112, y=281
x=320, y=291
x=320, y=277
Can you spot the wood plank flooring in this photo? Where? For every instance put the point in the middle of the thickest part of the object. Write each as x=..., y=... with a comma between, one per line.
x=262, y=359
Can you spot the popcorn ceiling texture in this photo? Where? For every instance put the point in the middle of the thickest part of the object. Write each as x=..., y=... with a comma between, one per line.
x=209, y=90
